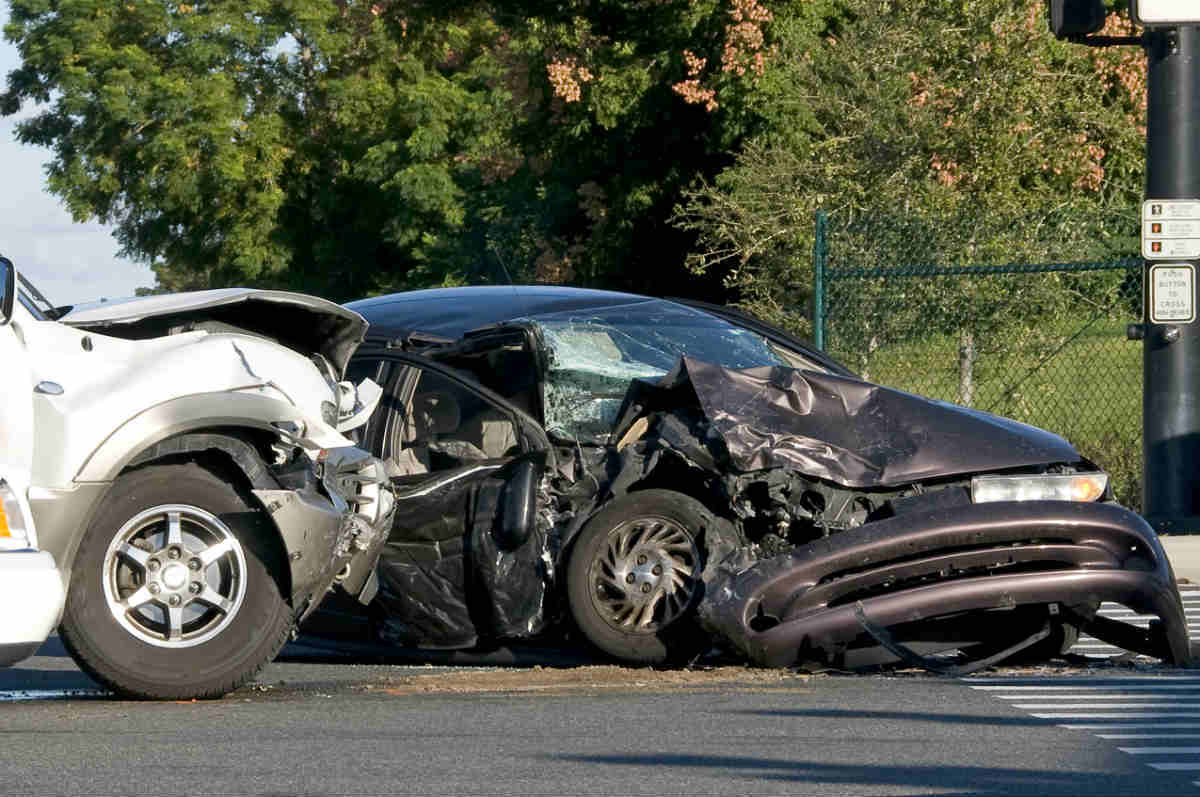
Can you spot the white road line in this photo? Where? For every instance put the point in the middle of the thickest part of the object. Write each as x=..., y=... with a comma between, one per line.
x=1044, y=706
x=1102, y=696
x=1090, y=687
x=1128, y=736
x=1124, y=726
x=1128, y=616
x=1155, y=718
x=984, y=680
x=1133, y=715
x=1091, y=647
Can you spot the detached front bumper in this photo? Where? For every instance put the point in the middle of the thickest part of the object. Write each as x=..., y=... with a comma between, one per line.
x=808, y=605
x=333, y=533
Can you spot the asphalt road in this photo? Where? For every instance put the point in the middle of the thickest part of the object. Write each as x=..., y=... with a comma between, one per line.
x=310, y=728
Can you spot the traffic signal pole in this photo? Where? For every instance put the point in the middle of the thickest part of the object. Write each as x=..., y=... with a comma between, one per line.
x=1170, y=227
x=1171, y=246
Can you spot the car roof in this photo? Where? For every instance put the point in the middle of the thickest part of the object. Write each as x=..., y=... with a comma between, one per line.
x=452, y=312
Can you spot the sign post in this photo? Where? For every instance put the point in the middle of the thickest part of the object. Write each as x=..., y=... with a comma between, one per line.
x=1171, y=248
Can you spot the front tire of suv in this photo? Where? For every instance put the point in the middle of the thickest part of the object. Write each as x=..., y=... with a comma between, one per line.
x=172, y=594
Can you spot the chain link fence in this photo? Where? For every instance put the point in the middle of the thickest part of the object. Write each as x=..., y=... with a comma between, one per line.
x=1044, y=343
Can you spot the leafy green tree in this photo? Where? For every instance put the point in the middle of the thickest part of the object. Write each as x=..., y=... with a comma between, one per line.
x=346, y=147
x=292, y=142
x=943, y=133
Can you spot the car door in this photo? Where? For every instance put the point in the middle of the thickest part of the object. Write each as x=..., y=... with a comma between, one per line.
x=16, y=388
x=465, y=560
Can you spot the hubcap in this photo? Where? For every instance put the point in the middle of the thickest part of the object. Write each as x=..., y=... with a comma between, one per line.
x=645, y=576
x=174, y=576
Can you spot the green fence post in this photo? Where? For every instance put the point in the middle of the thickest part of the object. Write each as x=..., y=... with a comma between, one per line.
x=820, y=255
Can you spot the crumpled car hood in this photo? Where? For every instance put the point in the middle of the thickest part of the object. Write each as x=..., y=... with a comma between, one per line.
x=847, y=431
x=304, y=323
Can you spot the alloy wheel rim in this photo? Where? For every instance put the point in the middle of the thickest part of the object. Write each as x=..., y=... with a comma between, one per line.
x=645, y=575
x=174, y=576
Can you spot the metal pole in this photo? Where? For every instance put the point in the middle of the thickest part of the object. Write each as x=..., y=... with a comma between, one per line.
x=1171, y=351
x=820, y=253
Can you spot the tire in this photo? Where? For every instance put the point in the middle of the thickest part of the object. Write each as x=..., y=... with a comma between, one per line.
x=172, y=594
x=1063, y=637
x=634, y=576
x=1025, y=621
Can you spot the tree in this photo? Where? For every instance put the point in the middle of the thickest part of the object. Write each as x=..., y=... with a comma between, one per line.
x=346, y=147
x=944, y=132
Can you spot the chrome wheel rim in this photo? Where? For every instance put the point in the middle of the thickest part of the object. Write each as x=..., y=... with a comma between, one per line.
x=174, y=576
x=645, y=575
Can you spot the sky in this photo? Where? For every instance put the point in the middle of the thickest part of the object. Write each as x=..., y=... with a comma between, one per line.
x=68, y=262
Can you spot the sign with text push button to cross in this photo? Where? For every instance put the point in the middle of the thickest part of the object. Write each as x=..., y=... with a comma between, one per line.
x=1171, y=229
x=1172, y=294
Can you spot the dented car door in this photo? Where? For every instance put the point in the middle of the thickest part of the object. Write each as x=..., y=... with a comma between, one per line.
x=465, y=557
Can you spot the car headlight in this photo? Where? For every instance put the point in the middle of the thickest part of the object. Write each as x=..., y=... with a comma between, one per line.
x=13, y=533
x=1039, y=487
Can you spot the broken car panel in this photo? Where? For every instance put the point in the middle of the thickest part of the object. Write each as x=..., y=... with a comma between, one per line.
x=192, y=478
x=988, y=562
x=846, y=431
x=680, y=468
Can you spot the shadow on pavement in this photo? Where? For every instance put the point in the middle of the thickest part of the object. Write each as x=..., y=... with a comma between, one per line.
x=13, y=679
x=946, y=779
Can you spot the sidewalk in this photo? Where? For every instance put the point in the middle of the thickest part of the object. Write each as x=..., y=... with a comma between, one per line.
x=1183, y=551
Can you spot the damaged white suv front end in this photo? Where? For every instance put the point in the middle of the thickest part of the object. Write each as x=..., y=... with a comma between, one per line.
x=193, y=478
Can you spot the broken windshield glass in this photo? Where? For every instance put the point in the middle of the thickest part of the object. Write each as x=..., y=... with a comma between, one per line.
x=593, y=357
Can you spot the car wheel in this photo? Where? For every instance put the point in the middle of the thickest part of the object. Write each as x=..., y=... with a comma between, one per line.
x=1062, y=638
x=172, y=593
x=634, y=576
x=1013, y=625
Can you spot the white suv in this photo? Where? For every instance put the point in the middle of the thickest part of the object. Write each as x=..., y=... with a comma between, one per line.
x=189, y=472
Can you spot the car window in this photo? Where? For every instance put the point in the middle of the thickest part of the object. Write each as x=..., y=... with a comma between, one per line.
x=795, y=359
x=595, y=355
x=441, y=424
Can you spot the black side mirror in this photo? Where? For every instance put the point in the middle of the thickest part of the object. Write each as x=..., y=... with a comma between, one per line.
x=1070, y=18
x=8, y=282
x=519, y=514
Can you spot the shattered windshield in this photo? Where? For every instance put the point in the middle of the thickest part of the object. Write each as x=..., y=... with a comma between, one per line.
x=594, y=355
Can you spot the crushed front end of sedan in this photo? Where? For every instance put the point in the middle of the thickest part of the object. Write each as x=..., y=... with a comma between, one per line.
x=657, y=477
x=903, y=524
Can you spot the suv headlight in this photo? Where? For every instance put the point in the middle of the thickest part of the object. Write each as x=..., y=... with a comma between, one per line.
x=1039, y=487
x=13, y=532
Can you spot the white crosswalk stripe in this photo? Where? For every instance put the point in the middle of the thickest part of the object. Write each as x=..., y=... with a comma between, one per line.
x=1150, y=717
x=1087, y=646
